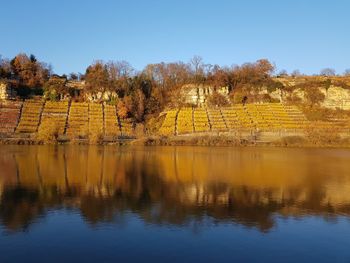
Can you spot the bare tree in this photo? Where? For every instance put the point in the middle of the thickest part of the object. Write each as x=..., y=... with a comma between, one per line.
x=119, y=69
x=5, y=68
x=73, y=76
x=197, y=64
x=295, y=73
x=327, y=72
x=347, y=72
x=282, y=73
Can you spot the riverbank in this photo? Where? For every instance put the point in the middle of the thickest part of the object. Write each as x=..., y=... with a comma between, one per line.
x=288, y=141
x=190, y=140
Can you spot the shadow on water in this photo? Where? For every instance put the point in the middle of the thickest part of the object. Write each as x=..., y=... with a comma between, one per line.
x=172, y=185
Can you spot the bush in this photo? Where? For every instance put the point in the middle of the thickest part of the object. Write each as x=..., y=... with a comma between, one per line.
x=316, y=134
x=50, y=134
x=292, y=141
x=314, y=96
x=217, y=99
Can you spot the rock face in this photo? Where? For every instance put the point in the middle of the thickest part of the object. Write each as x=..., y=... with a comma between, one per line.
x=198, y=94
x=6, y=92
x=335, y=96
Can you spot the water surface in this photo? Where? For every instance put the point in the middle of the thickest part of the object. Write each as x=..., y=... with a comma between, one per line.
x=174, y=204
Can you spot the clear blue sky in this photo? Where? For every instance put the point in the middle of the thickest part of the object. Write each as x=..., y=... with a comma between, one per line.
x=301, y=34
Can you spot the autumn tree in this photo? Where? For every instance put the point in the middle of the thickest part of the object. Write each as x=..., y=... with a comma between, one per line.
x=119, y=74
x=97, y=78
x=55, y=88
x=166, y=79
x=220, y=77
x=124, y=106
x=217, y=99
x=168, y=76
x=122, y=109
x=252, y=76
x=155, y=102
x=29, y=72
x=314, y=95
x=138, y=107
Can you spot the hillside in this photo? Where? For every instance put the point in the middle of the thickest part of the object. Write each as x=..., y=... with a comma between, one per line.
x=49, y=122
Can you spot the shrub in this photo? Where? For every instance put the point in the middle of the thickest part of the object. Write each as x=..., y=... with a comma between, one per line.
x=318, y=135
x=314, y=96
x=217, y=99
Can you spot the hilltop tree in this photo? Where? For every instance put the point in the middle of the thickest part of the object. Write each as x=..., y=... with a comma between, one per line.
x=295, y=73
x=252, y=75
x=168, y=76
x=29, y=72
x=120, y=69
x=219, y=77
x=282, y=73
x=97, y=78
x=73, y=76
x=119, y=73
x=327, y=72
x=198, y=69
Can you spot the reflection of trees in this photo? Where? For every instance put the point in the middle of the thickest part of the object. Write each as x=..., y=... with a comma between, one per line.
x=19, y=208
x=166, y=188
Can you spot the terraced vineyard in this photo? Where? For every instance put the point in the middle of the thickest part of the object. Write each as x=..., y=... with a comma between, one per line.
x=9, y=116
x=90, y=120
x=95, y=119
x=78, y=120
x=169, y=123
x=269, y=117
x=54, y=117
x=200, y=120
x=111, y=121
x=185, y=121
x=244, y=120
x=126, y=127
x=296, y=118
x=217, y=121
x=30, y=117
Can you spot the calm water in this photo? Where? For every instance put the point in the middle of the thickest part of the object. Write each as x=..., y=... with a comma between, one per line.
x=174, y=204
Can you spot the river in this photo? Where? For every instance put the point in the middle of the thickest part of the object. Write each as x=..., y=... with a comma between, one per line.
x=174, y=204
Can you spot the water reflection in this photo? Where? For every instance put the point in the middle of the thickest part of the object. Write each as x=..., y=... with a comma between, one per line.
x=172, y=185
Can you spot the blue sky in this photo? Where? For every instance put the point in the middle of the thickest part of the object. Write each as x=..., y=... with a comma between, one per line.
x=302, y=34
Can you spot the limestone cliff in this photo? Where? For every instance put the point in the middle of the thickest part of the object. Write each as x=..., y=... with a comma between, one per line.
x=6, y=92
x=198, y=94
x=336, y=95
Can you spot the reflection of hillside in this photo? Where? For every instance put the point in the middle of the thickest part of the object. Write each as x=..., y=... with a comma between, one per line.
x=172, y=185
